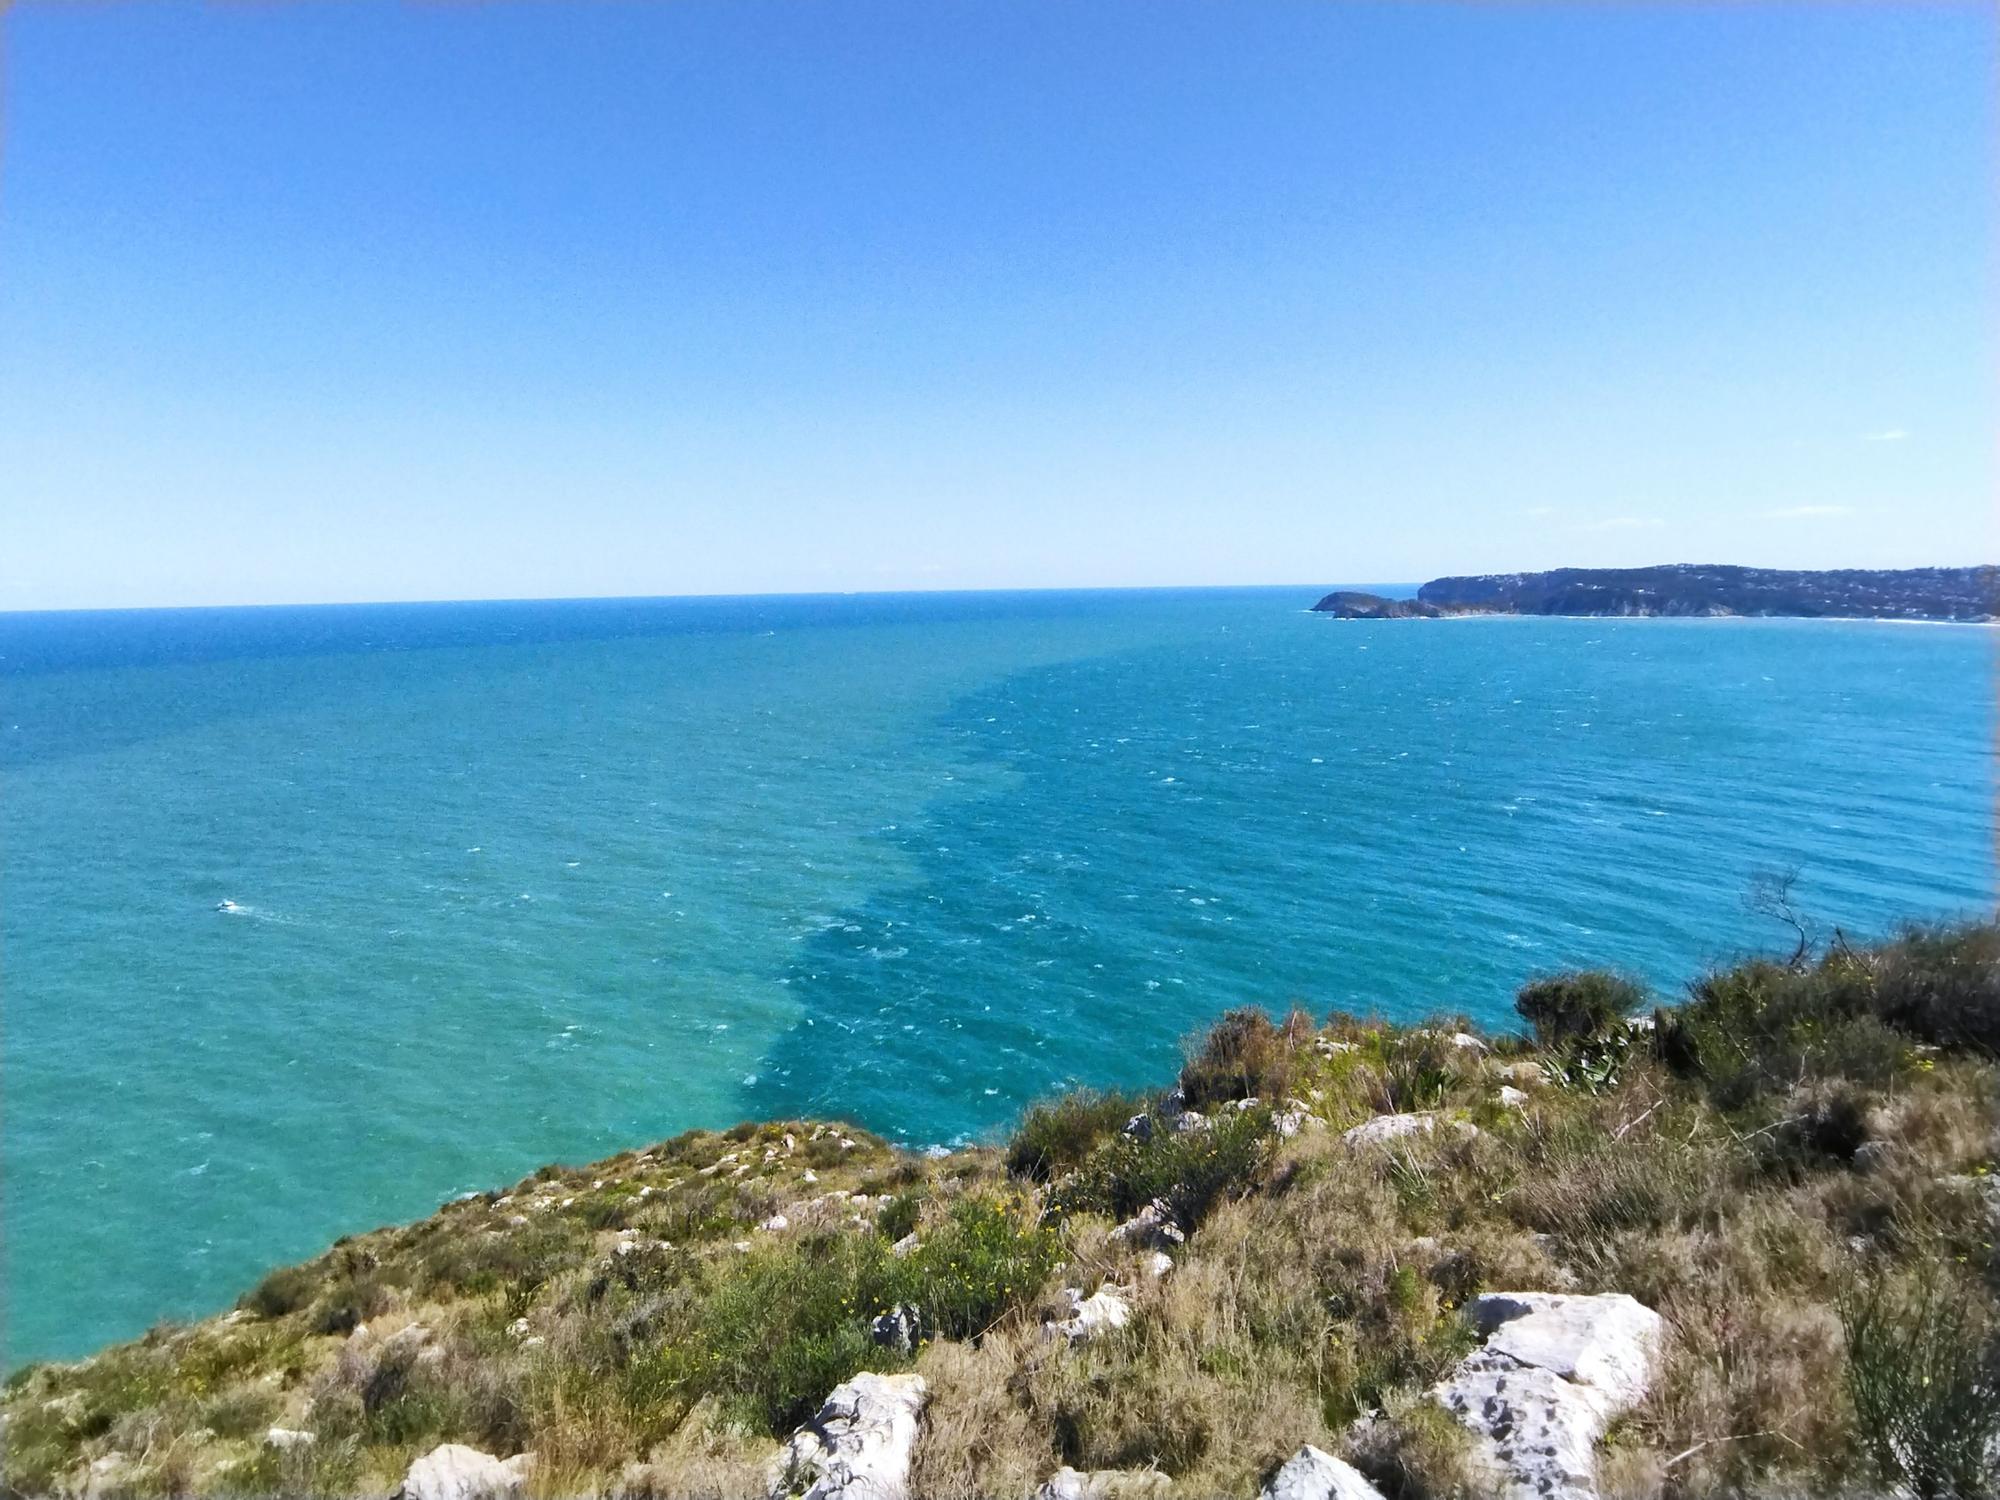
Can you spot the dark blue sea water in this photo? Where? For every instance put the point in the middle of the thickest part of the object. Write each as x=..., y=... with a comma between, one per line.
x=536, y=881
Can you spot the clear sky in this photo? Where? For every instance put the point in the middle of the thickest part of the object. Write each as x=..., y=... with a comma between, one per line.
x=365, y=301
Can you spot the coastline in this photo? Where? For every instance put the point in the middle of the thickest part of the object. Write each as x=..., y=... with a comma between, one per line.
x=1515, y=614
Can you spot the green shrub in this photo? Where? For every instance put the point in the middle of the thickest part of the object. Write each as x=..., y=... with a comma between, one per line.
x=1057, y=1136
x=349, y=1302
x=1762, y=1027
x=1925, y=1380
x=988, y=1257
x=1190, y=1171
x=241, y=1413
x=1417, y=1070
x=1830, y=1124
x=1578, y=1006
x=781, y=1330
x=899, y=1216
x=607, y=1211
x=1246, y=1055
x=283, y=1291
x=1941, y=985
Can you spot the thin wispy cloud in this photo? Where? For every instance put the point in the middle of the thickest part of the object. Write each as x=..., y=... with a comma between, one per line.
x=1806, y=512
x=1624, y=523
x=1886, y=435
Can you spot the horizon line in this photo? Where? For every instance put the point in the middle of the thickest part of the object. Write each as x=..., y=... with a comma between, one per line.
x=1067, y=588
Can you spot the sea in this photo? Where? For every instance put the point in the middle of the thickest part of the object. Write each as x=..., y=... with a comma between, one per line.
x=314, y=918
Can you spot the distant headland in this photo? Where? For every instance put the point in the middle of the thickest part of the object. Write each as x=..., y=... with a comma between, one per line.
x=1693, y=589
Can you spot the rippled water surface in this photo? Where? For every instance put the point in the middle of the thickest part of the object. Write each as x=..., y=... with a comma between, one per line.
x=534, y=881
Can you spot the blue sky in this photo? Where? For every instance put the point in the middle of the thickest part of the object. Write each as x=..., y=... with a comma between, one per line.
x=367, y=301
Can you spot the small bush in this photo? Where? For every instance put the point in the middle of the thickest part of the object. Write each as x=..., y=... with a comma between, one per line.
x=1579, y=1006
x=1246, y=1055
x=239, y=1413
x=899, y=1216
x=985, y=1259
x=1925, y=1381
x=1418, y=1070
x=350, y=1302
x=1831, y=1124
x=285, y=1290
x=1190, y=1171
x=1059, y=1135
x=783, y=1329
x=1941, y=985
x=1762, y=1027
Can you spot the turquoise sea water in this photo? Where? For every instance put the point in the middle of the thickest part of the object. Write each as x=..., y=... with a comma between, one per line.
x=542, y=881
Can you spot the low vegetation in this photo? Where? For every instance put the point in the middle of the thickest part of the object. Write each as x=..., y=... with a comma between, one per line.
x=1794, y=1165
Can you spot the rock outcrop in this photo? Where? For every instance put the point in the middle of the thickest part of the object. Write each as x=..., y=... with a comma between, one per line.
x=1152, y=1228
x=1313, y=1475
x=901, y=1329
x=1102, y=1311
x=453, y=1471
x=1553, y=1372
x=1352, y=604
x=859, y=1445
x=1385, y=1128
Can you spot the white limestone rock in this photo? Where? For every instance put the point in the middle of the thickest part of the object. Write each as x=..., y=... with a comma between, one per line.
x=901, y=1328
x=859, y=1446
x=1512, y=1098
x=106, y=1476
x=1311, y=1474
x=1151, y=1228
x=1385, y=1128
x=1553, y=1372
x=1297, y=1115
x=1103, y=1311
x=453, y=1471
x=1105, y=1484
x=286, y=1438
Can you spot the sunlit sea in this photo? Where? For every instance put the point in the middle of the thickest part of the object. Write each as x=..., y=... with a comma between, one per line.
x=511, y=883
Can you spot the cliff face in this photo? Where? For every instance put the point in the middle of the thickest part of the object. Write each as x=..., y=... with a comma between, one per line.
x=1713, y=589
